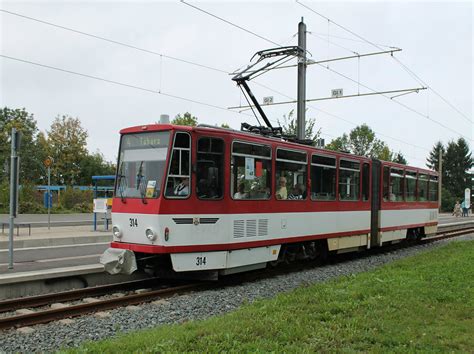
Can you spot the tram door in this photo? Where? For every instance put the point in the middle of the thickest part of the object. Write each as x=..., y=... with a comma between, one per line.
x=375, y=203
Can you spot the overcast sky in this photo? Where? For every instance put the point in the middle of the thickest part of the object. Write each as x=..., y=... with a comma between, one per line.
x=436, y=38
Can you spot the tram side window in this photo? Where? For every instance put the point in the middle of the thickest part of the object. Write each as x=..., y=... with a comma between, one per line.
x=396, y=185
x=291, y=172
x=433, y=189
x=386, y=185
x=410, y=186
x=177, y=184
x=251, y=168
x=349, y=180
x=210, y=168
x=323, y=177
x=422, y=187
x=365, y=182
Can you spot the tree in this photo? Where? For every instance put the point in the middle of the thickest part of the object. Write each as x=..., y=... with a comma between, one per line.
x=456, y=164
x=31, y=152
x=185, y=119
x=225, y=125
x=399, y=158
x=363, y=142
x=66, y=143
x=94, y=165
x=433, y=158
x=340, y=144
x=289, y=126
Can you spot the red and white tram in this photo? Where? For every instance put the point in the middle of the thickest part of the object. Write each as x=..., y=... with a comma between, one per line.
x=211, y=199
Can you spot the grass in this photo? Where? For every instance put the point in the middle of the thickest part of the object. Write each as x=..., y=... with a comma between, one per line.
x=422, y=303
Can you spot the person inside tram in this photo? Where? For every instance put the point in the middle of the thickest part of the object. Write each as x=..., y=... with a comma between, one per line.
x=182, y=189
x=281, y=192
x=393, y=198
x=240, y=194
x=296, y=193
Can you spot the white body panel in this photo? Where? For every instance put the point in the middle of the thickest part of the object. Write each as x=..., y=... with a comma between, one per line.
x=394, y=218
x=228, y=229
x=236, y=228
x=405, y=217
x=222, y=229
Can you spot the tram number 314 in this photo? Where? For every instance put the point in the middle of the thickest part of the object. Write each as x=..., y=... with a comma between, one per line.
x=200, y=261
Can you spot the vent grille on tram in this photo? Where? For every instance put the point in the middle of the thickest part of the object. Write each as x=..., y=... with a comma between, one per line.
x=250, y=228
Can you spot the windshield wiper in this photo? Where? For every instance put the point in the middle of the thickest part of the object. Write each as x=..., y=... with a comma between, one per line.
x=139, y=175
x=119, y=182
x=141, y=178
x=143, y=191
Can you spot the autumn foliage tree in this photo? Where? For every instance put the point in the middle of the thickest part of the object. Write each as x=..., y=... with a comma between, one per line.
x=66, y=143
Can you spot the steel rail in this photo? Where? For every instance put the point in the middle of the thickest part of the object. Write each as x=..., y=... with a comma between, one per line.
x=70, y=295
x=81, y=309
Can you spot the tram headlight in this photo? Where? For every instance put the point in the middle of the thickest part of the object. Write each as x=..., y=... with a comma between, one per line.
x=150, y=234
x=116, y=231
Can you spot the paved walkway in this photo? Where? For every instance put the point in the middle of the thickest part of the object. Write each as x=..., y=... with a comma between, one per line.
x=39, y=220
x=54, y=232
x=447, y=218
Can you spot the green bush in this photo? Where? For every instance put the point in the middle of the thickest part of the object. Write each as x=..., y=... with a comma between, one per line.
x=4, y=197
x=83, y=207
x=31, y=208
x=72, y=197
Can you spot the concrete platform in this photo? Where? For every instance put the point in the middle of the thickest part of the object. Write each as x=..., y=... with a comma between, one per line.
x=22, y=277
x=59, y=247
x=59, y=279
x=61, y=235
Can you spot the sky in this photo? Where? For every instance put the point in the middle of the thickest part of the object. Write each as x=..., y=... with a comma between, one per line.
x=436, y=40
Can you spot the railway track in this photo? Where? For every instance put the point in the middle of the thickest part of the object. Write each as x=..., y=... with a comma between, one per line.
x=47, y=314
x=74, y=310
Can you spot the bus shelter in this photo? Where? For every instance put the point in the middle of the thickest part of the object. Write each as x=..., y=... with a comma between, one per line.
x=103, y=198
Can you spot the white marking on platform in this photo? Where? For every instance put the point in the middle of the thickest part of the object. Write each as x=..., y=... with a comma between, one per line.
x=54, y=259
x=60, y=246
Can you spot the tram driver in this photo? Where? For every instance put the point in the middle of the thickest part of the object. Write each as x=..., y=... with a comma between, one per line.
x=182, y=189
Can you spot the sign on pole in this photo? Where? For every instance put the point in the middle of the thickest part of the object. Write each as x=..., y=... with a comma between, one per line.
x=48, y=162
x=337, y=93
x=467, y=197
x=268, y=100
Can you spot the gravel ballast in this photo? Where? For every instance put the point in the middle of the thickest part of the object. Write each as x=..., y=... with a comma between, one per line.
x=195, y=306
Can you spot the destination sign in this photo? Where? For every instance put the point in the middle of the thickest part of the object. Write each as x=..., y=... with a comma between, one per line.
x=140, y=140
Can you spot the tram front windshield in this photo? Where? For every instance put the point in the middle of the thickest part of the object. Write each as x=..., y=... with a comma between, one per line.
x=141, y=164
